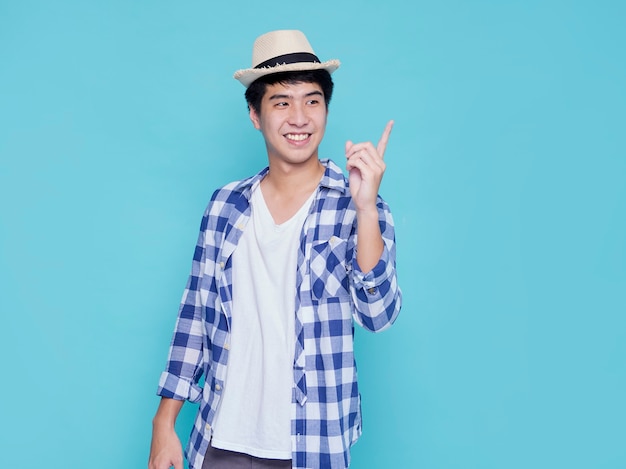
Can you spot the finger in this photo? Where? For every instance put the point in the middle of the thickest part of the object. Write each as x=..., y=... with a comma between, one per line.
x=369, y=155
x=355, y=156
x=360, y=146
x=368, y=166
x=382, y=143
x=364, y=147
x=349, y=146
x=359, y=165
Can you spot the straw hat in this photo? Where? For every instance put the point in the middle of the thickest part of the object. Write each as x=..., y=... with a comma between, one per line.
x=282, y=51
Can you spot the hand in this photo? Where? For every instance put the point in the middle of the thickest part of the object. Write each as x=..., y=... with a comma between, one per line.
x=366, y=167
x=165, y=450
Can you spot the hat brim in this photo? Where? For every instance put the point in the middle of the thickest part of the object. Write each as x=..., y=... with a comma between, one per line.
x=248, y=75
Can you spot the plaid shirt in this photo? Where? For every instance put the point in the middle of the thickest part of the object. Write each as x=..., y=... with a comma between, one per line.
x=331, y=293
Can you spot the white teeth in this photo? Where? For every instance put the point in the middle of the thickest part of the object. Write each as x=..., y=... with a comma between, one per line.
x=297, y=137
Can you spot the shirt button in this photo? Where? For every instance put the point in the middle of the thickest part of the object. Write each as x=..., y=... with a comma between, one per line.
x=208, y=427
x=218, y=387
x=222, y=265
x=371, y=291
x=226, y=347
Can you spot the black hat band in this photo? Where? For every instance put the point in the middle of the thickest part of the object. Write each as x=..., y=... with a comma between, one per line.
x=296, y=57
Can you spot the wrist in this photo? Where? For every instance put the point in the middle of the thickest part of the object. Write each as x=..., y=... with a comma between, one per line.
x=162, y=422
x=367, y=213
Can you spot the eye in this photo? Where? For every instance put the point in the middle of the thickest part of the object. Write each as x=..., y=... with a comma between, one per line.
x=282, y=104
x=313, y=102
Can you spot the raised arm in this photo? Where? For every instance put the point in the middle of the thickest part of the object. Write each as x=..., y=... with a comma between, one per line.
x=366, y=168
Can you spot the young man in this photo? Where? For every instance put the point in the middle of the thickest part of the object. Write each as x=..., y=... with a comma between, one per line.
x=285, y=262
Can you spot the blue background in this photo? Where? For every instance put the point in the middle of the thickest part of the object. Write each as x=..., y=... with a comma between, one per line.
x=506, y=176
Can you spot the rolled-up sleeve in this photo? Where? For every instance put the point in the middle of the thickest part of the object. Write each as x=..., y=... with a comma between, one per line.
x=376, y=294
x=185, y=361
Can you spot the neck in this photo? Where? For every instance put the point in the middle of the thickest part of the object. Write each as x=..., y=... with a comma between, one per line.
x=285, y=178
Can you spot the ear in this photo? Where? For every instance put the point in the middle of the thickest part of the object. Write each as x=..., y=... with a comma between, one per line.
x=254, y=117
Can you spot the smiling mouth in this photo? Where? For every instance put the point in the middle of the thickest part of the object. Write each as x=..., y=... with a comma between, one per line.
x=297, y=137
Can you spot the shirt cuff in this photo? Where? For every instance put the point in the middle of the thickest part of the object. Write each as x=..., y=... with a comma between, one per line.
x=181, y=389
x=371, y=280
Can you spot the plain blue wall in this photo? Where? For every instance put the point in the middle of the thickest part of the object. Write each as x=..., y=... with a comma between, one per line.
x=506, y=176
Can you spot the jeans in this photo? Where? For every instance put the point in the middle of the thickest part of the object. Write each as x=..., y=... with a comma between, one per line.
x=216, y=458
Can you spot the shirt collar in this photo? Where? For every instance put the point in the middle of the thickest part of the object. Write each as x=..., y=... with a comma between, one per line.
x=333, y=177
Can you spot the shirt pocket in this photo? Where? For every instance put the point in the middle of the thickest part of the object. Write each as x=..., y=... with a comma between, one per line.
x=329, y=268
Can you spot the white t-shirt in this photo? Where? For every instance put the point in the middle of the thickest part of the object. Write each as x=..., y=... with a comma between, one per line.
x=254, y=416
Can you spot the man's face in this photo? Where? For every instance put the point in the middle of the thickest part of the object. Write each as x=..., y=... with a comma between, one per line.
x=292, y=120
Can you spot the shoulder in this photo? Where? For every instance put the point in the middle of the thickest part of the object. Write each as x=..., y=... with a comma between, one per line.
x=234, y=190
x=224, y=193
x=221, y=206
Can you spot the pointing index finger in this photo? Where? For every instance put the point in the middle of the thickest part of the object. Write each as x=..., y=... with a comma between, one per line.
x=382, y=143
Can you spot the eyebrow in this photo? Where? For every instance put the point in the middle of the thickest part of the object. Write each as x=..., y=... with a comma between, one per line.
x=289, y=96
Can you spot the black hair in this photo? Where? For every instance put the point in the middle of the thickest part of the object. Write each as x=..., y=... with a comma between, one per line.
x=256, y=91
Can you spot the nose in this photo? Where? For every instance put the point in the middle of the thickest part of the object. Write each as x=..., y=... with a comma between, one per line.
x=298, y=115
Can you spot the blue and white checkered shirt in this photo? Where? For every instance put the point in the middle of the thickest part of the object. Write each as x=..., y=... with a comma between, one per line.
x=331, y=293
